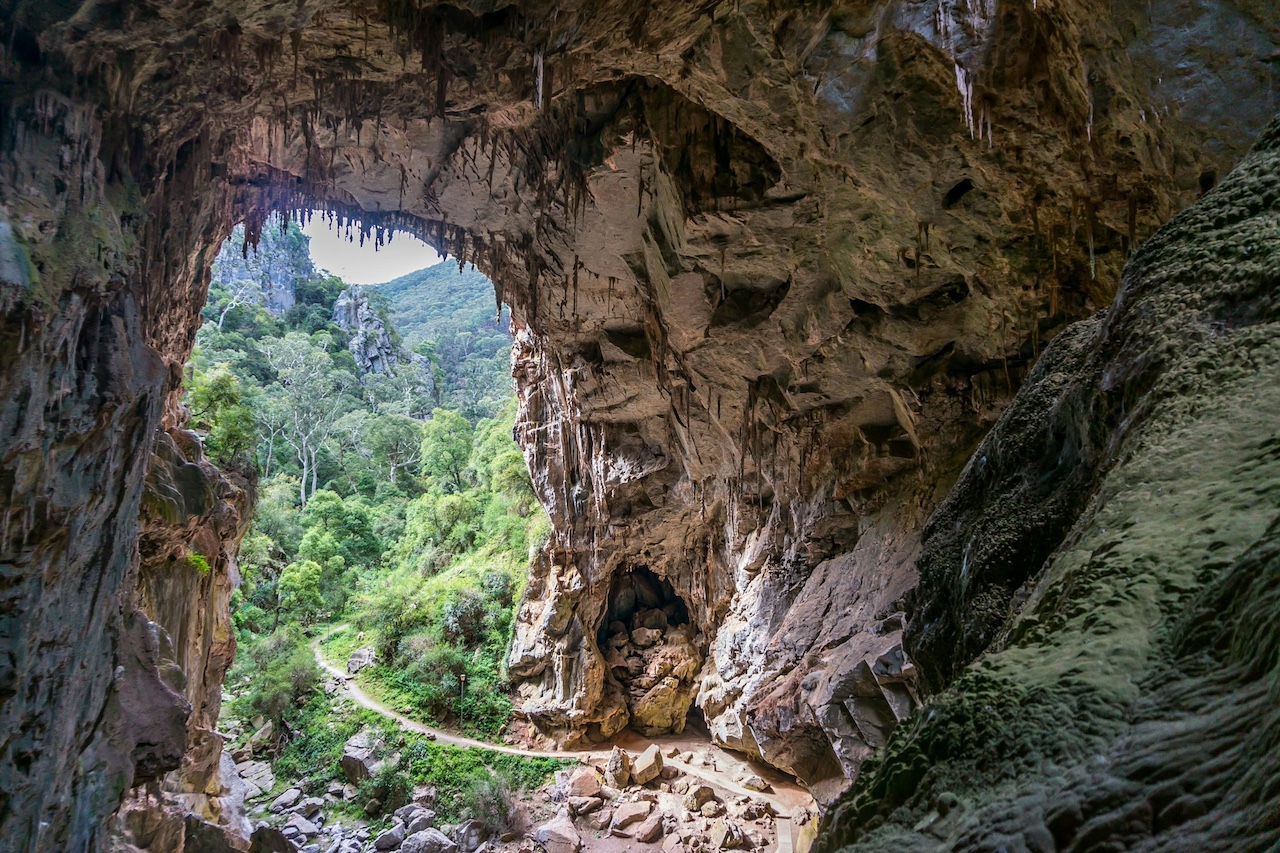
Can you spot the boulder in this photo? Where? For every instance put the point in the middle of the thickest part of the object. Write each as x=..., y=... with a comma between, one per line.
x=647, y=766
x=470, y=835
x=617, y=772
x=584, y=805
x=629, y=813
x=428, y=841
x=261, y=738
x=650, y=829
x=373, y=807
x=755, y=783
x=304, y=826
x=725, y=835
x=422, y=819
x=583, y=782
x=359, y=659
x=600, y=819
x=310, y=805
x=711, y=808
x=286, y=800
x=559, y=835
x=391, y=839
x=697, y=797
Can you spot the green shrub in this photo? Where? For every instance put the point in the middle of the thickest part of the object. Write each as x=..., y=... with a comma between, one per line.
x=489, y=800
x=391, y=786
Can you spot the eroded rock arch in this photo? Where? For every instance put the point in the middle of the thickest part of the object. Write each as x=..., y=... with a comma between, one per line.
x=774, y=271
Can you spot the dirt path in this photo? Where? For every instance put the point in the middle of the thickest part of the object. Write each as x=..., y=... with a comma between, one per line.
x=787, y=798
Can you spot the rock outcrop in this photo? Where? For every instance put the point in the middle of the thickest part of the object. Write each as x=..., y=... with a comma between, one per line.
x=774, y=270
x=193, y=519
x=371, y=342
x=1111, y=556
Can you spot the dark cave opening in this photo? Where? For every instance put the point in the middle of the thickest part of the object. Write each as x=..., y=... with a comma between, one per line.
x=651, y=650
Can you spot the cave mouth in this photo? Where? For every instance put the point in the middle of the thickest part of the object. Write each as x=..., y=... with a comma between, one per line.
x=651, y=651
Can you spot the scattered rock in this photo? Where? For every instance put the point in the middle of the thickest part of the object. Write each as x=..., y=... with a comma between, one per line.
x=647, y=766
x=584, y=805
x=261, y=738
x=601, y=819
x=629, y=813
x=725, y=835
x=286, y=800
x=755, y=783
x=583, y=783
x=391, y=839
x=697, y=797
x=559, y=835
x=359, y=659
x=618, y=771
x=711, y=809
x=310, y=805
x=373, y=807
x=428, y=841
x=650, y=829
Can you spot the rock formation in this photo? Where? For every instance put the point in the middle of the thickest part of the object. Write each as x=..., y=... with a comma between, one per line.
x=774, y=270
x=1114, y=548
x=371, y=342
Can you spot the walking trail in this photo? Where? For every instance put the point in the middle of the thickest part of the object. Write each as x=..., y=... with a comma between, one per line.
x=788, y=799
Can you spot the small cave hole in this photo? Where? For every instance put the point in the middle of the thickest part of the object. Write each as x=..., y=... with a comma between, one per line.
x=959, y=191
x=651, y=650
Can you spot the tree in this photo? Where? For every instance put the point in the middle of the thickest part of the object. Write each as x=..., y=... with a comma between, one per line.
x=311, y=398
x=446, y=447
x=217, y=404
x=396, y=442
x=299, y=588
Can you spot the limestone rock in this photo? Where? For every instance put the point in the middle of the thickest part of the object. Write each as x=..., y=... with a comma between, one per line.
x=428, y=841
x=392, y=838
x=359, y=659
x=559, y=835
x=647, y=766
x=617, y=771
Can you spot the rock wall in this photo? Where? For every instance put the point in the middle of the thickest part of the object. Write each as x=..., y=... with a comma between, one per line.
x=774, y=268
x=1114, y=547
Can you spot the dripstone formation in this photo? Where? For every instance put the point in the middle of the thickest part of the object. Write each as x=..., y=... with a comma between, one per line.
x=775, y=270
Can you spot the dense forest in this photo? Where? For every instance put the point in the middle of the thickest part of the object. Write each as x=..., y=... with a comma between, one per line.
x=393, y=501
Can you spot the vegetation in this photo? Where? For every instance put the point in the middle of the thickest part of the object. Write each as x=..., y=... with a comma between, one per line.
x=383, y=502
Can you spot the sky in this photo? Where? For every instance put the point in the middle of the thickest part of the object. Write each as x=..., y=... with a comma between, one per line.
x=356, y=264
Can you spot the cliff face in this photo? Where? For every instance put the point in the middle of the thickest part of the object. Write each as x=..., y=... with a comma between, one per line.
x=1127, y=696
x=774, y=272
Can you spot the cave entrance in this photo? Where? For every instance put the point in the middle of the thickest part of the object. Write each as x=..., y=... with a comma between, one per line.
x=650, y=649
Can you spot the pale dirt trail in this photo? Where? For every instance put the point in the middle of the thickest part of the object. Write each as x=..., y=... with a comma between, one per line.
x=787, y=798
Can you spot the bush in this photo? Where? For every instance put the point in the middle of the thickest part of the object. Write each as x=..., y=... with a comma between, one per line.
x=391, y=786
x=282, y=675
x=488, y=799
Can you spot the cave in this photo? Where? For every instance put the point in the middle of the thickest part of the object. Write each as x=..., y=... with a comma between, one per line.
x=679, y=201
x=651, y=651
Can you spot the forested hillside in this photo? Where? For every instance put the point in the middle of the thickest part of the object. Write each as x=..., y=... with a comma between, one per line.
x=395, y=501
x=450, y=316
